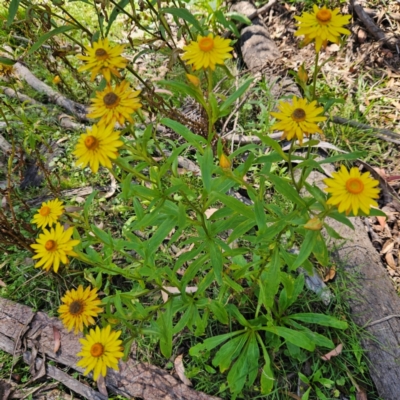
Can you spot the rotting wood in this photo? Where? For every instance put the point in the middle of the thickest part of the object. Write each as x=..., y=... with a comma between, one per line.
x=133, y=380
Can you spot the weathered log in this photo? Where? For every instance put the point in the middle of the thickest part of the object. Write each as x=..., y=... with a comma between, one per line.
x=22, y=328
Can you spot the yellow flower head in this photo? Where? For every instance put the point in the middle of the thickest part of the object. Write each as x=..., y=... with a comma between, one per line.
x=351, y=191
x=79, y=308
x=48, y=213
x=97, y=146
x=322, y=25
x=104, y=59
x=115, y=104
x=207, y=51
x=194, y=80
x=101, y=349
x=6, y=70
x=53, y=246
x=298, y=119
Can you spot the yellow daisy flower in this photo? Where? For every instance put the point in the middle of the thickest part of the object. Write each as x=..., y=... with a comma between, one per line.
x=53, y=246
x=79, y=308
x=6, y=70
x=207, y=51
x=97, y=146
x=101, y=349
x=48, y=213
x=115, y=104
x=298, y=118
x=322, y=25
x=102, y=58
x=352, y=190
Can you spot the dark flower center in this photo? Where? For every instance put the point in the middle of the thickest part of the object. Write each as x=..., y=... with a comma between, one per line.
x=299, y=115
x=111, y=100
x=76, y=307
x=50, y=245
x=101, y=54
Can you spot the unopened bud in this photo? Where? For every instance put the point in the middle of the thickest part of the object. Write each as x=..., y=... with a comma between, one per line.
x=302, y=74
x=314, y=224
x=56, y=80
x=194, y=80
x=224, y=162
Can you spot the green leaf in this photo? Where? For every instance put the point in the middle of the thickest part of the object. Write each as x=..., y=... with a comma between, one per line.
x=240, y=230
x=335, y=214
x=233, y=204
x=374, y=212
x=253, y=355
x=183, y=88
x=48, y=35
x=297, y=338
x=306, y=248
x=114, y=13
x=160, y=234
x=164, y=323
x=267, y=376
x=12, y=11
x=331, y=232
x=234, y=96
x=206, y=166
x=320, y=251
x=228, y=352
x=195, y=140
x=270, y=280
x=87, y=205
x=7, y=61
x=284, y=188
x=212, y=343
x=344, y=157
x=238, y=17
x=275, y=145
x=306, y=395
x=316, y=192
x=219, y=311
x=185, y=15
x=237, y=375
x=320, y=319
x=216, y=261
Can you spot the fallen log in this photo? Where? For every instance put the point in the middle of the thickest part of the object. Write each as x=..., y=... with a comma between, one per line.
x=21, y=328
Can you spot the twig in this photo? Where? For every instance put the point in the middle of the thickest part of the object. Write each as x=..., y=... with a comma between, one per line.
x=384, y=134
x=382, y=320
x=374, y=30
x=262, y=9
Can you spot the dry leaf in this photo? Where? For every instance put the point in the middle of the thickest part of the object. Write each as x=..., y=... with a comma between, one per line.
x=71, y=209
x=390, y=261
x=382, y=221
x=210, y=212
x=180, y=370
x=101, y=385
x=335, y=352
x=57, y=339
x=2, y=283
x=330, y=274
x=172, y=290
x=387, y=247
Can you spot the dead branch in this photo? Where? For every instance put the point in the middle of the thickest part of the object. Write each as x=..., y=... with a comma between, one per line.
x=20, y=96
x=384, y=134
x=72, y=107
x=375, y=31
x=134, y=379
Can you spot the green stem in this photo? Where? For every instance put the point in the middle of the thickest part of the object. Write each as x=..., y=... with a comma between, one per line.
x=291, y=168
x=316, y=70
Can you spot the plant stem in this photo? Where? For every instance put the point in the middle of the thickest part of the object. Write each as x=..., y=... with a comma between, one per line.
x=316, y=70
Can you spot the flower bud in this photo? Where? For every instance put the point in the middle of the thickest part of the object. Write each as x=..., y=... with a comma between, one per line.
x=224, y=162
x=314, y=224
x=302, y=74
x=194, y=80
x=56, y=80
